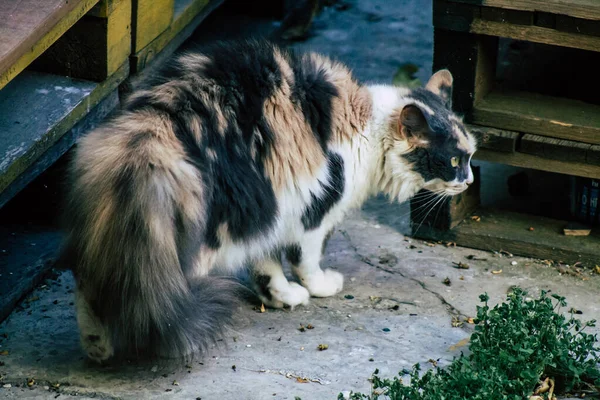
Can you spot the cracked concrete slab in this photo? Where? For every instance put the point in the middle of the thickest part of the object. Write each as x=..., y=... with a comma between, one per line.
x=393, y=312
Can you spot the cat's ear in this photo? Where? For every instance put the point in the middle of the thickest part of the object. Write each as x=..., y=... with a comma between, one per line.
x=412, y=125
x=440, y=84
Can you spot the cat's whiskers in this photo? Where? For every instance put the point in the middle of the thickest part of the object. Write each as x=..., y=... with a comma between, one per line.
x=440, y=199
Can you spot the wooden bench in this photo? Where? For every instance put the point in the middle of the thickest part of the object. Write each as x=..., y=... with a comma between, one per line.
x=520, y=127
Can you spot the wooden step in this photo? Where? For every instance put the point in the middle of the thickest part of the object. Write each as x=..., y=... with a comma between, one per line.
x=29, y=27
x=37, y=109
x=543, y=115
x=95, y=47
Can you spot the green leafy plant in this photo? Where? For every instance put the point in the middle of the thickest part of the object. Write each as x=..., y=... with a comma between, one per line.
x=513, y=346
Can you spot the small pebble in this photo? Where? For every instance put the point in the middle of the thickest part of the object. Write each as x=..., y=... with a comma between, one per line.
x=349, y=297
x=154, y=369
x=7, y=386
x=248, y=345
x=386, y=329
x=513, y=263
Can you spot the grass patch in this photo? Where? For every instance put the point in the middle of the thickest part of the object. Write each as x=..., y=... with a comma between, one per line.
x=515, y=345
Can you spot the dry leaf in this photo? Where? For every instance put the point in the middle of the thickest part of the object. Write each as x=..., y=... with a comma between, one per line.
x=30, y=382
x=302, y=328
x=461, y=265
x=597, y=269
x=301, y=380
x=531, y=228
x=496, y=272
x=262, y=308
x=476, y=218
x=447, y=281
x=460, y=344
x=456, y=323
x=309, y=326
x=175, y=383
x=4, y=353
x=470, y=320
x=322, y=347
x=432, y=362
x=451, y=244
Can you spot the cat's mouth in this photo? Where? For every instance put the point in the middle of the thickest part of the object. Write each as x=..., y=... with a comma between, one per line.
x=453, y=190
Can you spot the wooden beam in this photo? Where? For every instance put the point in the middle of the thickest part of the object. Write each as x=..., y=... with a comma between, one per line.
x=555, y=149
x=150, y=19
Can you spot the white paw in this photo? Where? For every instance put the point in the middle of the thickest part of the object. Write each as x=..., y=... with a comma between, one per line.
x=324, y=283
x=288, y=293
x=97, y=346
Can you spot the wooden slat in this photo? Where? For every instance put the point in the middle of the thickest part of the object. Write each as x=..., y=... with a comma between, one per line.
x=543, y=115
x=188, y=15
x=539, y=163
x=29, y=27
x=586, y=9
x=150, y=19
x=37, y=109
x=494, y=139
x=535, y=34
x=555, y=149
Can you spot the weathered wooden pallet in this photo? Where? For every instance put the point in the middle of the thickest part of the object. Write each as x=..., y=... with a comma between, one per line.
x=466, y=41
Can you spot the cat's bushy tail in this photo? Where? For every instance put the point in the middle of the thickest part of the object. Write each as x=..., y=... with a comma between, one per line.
x=135, y=219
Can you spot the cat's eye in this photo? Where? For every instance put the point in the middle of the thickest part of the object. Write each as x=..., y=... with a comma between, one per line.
x=454, y=162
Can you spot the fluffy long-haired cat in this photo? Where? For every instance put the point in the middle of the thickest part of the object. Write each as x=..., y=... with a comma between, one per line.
x=227, y=158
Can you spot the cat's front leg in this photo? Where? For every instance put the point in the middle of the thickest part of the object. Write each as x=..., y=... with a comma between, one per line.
x=273, y=288
x=305, y=258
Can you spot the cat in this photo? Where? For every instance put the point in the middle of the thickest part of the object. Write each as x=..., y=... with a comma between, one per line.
x=228, y=157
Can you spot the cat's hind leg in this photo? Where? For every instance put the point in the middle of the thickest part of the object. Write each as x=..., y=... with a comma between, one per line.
x=95, y=338
x=273, y=288
x=305, y=258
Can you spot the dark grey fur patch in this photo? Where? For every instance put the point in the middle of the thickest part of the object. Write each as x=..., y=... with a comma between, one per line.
x=294, y=254
x=332, y=193
x=261, y=284
x=314, y=92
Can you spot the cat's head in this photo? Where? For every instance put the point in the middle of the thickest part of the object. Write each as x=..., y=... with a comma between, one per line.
x=431, y=140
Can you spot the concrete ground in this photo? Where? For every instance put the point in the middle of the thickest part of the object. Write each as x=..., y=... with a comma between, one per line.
x=394, y=310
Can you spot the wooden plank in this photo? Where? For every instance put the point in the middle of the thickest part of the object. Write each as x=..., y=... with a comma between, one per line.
x=150, y=19
x=472, y=61
x=577, y=25
x=48, y=157
x=586, y=9
x=94, y=48
x=544, y=115
x=37, y=109
x=188, y=15
x=555, y=149
x=494, y=139
x=29, y=27
x=535, y=162
x=535, y=34
x=509, y=231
